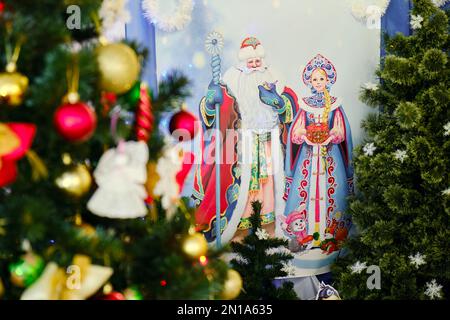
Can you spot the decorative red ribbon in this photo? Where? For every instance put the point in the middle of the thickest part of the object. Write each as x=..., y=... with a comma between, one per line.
x=8, y=169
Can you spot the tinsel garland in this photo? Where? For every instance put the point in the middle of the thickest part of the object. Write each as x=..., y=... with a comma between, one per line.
x=169, y=22
x=363, y=10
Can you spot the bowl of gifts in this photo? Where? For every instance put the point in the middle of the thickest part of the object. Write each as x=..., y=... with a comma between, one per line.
x=317, y=132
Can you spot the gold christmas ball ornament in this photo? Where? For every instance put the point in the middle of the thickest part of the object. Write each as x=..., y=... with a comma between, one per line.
x=195, y=245
x=232, y=286
x=12, y=88
x=76, y=181
x=119, y=67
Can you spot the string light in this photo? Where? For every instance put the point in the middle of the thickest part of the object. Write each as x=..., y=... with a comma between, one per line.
x=203, y=260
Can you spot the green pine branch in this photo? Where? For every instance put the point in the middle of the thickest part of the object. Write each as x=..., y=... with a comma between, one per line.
x=142, y=252
x=259, y=268
x=401, y=208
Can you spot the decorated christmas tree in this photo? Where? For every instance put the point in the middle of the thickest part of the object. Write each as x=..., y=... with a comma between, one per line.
x=260, y=260
x=89, y=186
x=402, y=210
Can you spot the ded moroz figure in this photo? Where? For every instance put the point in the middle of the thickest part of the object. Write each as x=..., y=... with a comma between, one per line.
x=254, y=120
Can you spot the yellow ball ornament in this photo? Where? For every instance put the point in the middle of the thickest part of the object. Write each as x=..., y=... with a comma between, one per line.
x=232, y=286
x=75, y=182
x=195, y=245
x=119, y=67
x=12, y=88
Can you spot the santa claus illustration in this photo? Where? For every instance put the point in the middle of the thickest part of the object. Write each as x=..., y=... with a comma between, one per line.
x=255, y=113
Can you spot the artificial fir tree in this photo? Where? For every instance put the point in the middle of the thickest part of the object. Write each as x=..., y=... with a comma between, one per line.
x=260, y=259
x=43, y=221
x=402, y=208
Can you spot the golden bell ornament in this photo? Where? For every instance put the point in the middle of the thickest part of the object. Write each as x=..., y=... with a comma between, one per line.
x=195, y=245
x=119, y=67
x=12, y=87
x=76, y=181
x=232, y=286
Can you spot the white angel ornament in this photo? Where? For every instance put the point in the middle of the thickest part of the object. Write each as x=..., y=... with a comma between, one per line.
x=120, y=176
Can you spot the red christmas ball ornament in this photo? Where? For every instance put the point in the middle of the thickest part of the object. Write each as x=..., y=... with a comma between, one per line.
x=183, y=125
x=75, y=122
x=113, y=296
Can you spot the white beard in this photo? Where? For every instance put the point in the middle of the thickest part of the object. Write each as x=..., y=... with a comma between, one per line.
x=243, y=84
x=256, y=118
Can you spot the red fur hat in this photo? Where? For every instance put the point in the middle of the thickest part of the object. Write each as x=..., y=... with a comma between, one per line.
x=251, y=48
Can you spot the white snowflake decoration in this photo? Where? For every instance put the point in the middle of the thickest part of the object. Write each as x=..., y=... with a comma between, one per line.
x=369, y=149
x=168, y=21
x=447, y=129
x=433, y=289
x=240, y=259
x=446, y=192
x=262, y=234
x=417, y=260
x=371, y=86
x=400, y=155
x=358, y=267
x=289, y=269
x=416, y=22
x=278, y=250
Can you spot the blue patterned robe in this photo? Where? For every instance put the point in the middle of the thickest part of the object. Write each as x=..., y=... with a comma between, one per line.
x=318, y=180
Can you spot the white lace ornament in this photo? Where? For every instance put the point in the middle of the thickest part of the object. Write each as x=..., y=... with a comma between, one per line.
x=120, y=176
